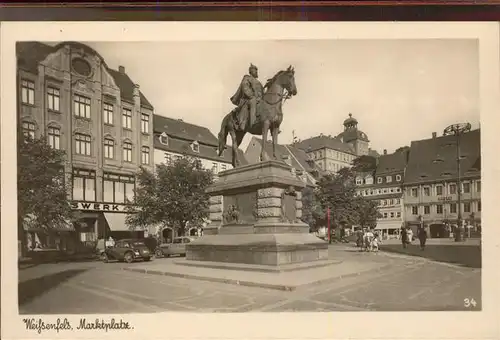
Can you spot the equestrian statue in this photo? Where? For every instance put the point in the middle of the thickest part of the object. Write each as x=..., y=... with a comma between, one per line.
x=258, y=110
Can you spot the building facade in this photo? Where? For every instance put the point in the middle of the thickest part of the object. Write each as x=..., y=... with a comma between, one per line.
x=385, y=186
x=334, y=153
x=174, y=138
x=431, y=178
x=98, y=115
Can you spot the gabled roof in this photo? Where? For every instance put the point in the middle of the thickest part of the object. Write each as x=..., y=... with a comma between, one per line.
x=435, y=159
x=182, y=130
x=31, y=53
x=181, y=135
x=321, y=141
x=373, y=153
x=394, y=162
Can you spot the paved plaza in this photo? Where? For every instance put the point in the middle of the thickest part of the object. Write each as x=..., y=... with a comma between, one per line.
x=403, y=283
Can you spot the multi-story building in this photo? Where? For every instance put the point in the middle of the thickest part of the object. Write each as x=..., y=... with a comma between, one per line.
x=304, y=167
x=102, y=120
x=430, y=183
x=385, y=186
x=334, y=153
x=174, y=138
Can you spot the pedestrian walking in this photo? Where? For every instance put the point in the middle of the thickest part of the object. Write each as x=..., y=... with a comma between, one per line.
x=422, y=236
x=403, y=237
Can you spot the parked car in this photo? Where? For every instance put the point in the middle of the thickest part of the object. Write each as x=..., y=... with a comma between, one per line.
x=128, y=250
x=177, y=247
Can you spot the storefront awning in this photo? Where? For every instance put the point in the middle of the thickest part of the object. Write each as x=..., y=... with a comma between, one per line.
x=116, y=221
x=388, y=226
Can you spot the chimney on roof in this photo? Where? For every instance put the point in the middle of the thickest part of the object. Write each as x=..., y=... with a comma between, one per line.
x=434, y=135
x=385, y=151
x=121, y=69
x=287, y=159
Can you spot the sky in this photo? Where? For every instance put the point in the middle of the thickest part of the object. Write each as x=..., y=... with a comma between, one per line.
x=398, y=90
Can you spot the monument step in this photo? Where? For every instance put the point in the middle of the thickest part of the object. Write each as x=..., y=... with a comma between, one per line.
x=255, y=267
x=287, y=281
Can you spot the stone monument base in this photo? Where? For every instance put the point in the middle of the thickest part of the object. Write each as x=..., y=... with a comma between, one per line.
x=262, y=249
x=255, y=213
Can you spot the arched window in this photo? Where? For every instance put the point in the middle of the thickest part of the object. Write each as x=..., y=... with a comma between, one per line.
x=109, y=148
x=54, y=136
x=145, y=155
x=29, y=129
x=127, y=152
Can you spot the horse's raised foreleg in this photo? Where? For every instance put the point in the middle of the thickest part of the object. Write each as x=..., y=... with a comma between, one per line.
x=274, y=134
x=265, y=128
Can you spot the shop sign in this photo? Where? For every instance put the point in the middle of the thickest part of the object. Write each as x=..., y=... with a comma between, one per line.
x=444, y=198
x=91, y=206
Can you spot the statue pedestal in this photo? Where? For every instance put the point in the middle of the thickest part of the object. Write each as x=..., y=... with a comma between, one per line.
x=255, y=215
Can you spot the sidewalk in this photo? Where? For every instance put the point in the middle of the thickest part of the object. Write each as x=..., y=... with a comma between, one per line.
x=467, y=254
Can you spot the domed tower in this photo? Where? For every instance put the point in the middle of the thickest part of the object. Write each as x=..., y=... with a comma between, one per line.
x=351, y=135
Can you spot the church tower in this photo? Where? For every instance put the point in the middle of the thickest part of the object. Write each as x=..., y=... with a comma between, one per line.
x=351, y=135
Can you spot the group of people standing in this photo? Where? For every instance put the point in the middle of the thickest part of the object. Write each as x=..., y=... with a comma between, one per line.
x=406, y=235
x=368, y=240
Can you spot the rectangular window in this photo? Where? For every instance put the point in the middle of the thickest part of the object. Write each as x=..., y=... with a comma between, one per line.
x=453, y=189
x=84, y=185
x=82, y=144
x=145, y=155
x=427, y=209
x=392, y=214
x=118, y=188
x=385, y=215
x=379, y=180
x=144, y=123
x=398, y=178
x=29, y=130
x=81, y=106
x=214, y=168
x=108, y=111
x=467, y=207
x=466, y=188
x=478, y=205
x=414, y=192
x=54, y=135
x=439, y=190
x=223, y=167
x=53, y=98
x=127, y=119
x=478, y=186
x=388, y=179
x=28, y=92
x=439, y=208
x=398, y=214
x=127, y=152
x=453, y=208
x=109, y=148
x=427, y=191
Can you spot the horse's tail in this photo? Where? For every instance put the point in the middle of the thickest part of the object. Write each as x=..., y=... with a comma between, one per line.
x=224, y=131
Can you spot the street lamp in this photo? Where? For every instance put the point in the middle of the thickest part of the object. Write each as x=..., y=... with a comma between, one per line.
x=457, y=130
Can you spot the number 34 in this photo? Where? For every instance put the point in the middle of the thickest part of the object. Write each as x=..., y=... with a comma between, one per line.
x=470, y=303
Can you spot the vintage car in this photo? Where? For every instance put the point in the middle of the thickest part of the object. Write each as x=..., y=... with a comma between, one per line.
x=177, y=247
x=128, y=250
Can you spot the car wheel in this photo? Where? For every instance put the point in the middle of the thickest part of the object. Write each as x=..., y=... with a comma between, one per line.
x=104, y=258
x=129, y=258
x=159, y=253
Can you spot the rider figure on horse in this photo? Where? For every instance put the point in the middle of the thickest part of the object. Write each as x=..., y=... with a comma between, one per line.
x=247, y=97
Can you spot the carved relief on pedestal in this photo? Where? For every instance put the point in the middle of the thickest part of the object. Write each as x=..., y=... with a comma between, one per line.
x=289, y=205
x=231, y=215
x=269, y=192
x=269, y=202
x=269, y=212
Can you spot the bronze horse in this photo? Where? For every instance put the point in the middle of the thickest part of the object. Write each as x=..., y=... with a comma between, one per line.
x=269, y=115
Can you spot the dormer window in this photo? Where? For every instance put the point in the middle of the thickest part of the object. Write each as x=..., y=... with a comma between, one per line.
x=398, y=178
x=195, y=146
x=164, y=139
x=379, y=180
x=388, y=179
